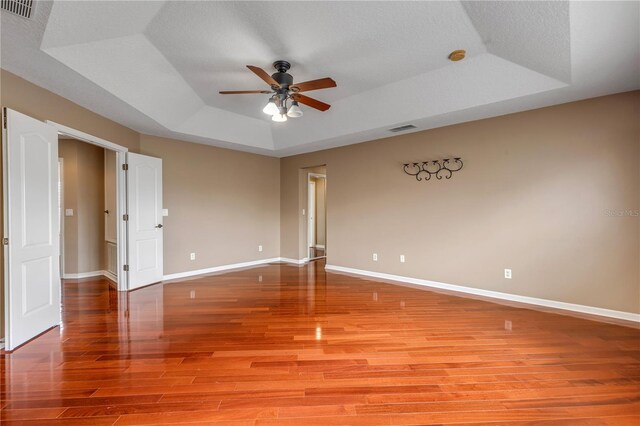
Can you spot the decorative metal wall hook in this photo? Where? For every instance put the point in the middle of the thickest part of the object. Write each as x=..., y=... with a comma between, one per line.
x=438, y=168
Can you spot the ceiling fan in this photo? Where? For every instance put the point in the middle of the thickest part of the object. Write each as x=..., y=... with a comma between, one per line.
x=284, y=90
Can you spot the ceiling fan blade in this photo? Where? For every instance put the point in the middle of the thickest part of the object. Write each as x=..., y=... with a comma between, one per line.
x=323, y=83
x=263, y=75
x=244, y=92
x=313, y=103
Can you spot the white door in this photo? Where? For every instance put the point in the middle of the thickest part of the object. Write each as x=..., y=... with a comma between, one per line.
x=144, y=201
x=32, y=268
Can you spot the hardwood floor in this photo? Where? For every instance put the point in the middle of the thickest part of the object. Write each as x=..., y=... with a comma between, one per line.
x=293, y=345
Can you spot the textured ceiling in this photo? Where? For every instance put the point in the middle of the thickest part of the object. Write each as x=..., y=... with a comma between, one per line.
x=157, y=66
x=361, y=46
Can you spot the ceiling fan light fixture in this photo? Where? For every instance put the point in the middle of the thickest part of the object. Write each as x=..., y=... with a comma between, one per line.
x=279, y=118
x=294, y=110
x=282, y=91
x=271, y=108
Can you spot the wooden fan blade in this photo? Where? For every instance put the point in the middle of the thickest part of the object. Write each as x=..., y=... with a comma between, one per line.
x=244, y=92
x=323, y=83
x=263, y=75
x=313, y=103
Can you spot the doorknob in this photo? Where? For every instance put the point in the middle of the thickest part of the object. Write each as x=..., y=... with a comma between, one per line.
x=159, y=226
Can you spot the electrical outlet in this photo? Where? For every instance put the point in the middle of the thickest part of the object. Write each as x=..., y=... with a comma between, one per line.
x=259, y=278
x=192, y=256
x=303, y=212
x=507, y=274
x=259, y=248
x=375, y=257
x=402, y=258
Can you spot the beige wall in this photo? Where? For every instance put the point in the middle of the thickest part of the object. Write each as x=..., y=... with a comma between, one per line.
x=27, y=98
x=84, y=247
x=222, y=204
x=532, y=197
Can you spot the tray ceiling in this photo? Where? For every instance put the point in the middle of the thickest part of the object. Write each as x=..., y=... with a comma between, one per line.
x=157, y=67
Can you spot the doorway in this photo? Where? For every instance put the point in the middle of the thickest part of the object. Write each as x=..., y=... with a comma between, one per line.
x=87, y=192
x=32, y=225
x=112, y=198
x=317, y=217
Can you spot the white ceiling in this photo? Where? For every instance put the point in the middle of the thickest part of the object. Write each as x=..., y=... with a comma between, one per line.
x=157, y=66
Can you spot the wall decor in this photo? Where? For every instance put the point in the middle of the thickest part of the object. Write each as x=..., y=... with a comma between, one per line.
x=439, y=168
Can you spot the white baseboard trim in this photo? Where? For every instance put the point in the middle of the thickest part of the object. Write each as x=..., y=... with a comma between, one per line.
x=219, y=268
x=241, y=265
x=85, y=275
x=110, y=276
x=2, y=343
x=294, y=261
x=591, y=310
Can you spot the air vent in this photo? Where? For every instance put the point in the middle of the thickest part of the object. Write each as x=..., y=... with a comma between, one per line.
x=402, y=128
x=22, y=8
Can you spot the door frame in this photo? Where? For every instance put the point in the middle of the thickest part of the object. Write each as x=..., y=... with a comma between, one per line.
x=311, y=216
x=61, y=209
x=311, y=175
x=121, y=192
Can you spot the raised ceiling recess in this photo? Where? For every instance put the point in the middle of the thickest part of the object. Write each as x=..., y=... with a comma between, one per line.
x=157, y=67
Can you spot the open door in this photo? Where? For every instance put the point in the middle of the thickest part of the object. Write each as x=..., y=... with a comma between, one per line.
x=144, y=201
x=32, y=269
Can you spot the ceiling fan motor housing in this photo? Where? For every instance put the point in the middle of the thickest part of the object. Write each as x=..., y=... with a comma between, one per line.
x=283, y=78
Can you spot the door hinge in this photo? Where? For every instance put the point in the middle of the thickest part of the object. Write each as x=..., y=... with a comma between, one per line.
x=125, y=217
x=126, y=268
x=125, y=167
x=4, y=118
x=5, y=241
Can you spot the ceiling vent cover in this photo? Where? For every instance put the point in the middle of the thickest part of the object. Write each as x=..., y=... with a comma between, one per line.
x=22, y=8
x=402, y=128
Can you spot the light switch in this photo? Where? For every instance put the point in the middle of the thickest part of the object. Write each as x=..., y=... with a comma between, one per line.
x=68, y=212
x=165, y=212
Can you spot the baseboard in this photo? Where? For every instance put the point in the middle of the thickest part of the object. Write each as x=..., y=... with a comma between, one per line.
x=85, y=275
x=110, y=276
x=590, y=310
x=294, y=261
x=1, y=343
x=205, y=271
x=320, y=246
